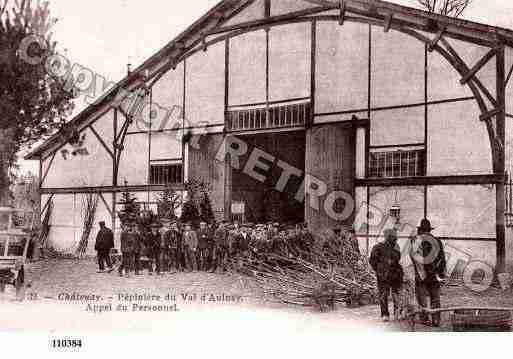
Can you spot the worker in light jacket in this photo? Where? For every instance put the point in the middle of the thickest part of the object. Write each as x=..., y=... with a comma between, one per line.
x=428, y=257
x=385, y=260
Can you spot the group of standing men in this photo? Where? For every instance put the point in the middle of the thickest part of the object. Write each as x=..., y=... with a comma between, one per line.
x=169, y=248
x=429, y=263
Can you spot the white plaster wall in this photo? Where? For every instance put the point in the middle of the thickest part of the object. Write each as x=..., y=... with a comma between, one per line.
x=167, y=94
x=94, y=169
x=280, y=7
x=341, y=67
x=133, y=165
x=254, y=11
x=205, y=86
x=400, y=126
x=397, y=69
x=289, y=61
x=458, y=142
x=166, y=145
x=462, y=211
x=247, y=60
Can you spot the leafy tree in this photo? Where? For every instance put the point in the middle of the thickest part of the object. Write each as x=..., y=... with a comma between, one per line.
x=131, y=208
x=33, y=104
x=452, y=8
x=167, y=203
x=192, y=210
x=206, y=213
x=190, y=213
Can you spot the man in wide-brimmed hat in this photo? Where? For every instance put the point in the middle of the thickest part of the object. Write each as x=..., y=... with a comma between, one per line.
x=428, y=257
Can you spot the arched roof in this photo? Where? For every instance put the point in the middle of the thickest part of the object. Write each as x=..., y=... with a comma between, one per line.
x=215, y=22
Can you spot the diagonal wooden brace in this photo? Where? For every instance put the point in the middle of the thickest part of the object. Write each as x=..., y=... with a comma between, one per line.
x=488, y=115
x=438, y=37
x=480, y=64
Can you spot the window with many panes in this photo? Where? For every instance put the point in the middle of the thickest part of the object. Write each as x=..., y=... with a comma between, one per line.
x=161, y=174
x=397, y=164
x=276, y=116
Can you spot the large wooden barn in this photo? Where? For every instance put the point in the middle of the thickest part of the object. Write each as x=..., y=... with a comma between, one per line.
x=316, y=101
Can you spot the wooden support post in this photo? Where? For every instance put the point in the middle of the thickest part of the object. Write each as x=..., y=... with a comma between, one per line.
x=480, y=64
x=342, y=12
x=228, y=183
x=204, y=42
x=438, y=37
x=500, y=164
x=388, y=22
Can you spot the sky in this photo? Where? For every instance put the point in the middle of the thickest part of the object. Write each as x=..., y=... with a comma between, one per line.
x=104, y=35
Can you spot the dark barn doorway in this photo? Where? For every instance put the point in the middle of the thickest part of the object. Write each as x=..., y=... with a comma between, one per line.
x=262, y=202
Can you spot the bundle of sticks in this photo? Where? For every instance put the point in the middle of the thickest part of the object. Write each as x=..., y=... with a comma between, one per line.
x=325, y=274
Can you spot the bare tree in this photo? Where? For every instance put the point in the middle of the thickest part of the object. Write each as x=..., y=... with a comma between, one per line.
x=453, y=8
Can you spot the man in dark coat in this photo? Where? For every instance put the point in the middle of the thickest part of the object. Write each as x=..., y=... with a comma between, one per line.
x=104, y=243
x=385, y=258
x=190, y=246
x=138, y=247
x=203, y=244
x=221, y=248
x=173, y=239
x=428, y=257
x=153, y=242
x=128, y=238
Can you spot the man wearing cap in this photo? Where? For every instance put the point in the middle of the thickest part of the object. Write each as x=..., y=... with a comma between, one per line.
x=153, y=245
x=173, y=240
x=190, y=244
x=428, y=257
x=203, y=244
x=221, y=247
x=127, y=249
x=138, y=247
x=385, y=258
x=104, y=243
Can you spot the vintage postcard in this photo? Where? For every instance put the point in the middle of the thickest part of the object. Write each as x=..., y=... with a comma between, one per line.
x=301, y=165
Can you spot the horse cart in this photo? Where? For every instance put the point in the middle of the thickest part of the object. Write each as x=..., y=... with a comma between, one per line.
x=15, y=235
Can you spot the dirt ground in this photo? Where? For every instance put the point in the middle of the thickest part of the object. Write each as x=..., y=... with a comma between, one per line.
x=210, y=299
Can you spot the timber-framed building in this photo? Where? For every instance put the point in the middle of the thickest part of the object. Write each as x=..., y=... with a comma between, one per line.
x=404, y=110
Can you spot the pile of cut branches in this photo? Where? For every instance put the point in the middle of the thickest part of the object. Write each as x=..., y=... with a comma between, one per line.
x=320, y=282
